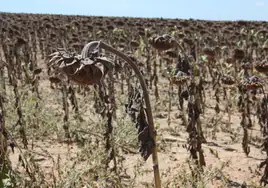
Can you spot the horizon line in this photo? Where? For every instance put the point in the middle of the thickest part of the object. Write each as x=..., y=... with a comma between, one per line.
x=132, y=17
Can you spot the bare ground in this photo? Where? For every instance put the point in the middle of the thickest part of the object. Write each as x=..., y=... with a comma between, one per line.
x=223, y=151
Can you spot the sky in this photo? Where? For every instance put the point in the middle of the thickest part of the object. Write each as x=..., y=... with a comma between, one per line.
x=182, y=9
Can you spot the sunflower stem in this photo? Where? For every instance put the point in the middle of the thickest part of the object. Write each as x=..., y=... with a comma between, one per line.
x=147, y=103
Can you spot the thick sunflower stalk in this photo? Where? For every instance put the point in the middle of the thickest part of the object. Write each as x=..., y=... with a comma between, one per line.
x=10, y=50
x=181, y=76
x=263, y=121
x=3, y=134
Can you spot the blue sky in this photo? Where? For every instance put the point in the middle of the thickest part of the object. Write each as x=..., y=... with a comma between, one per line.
x=196, y=9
